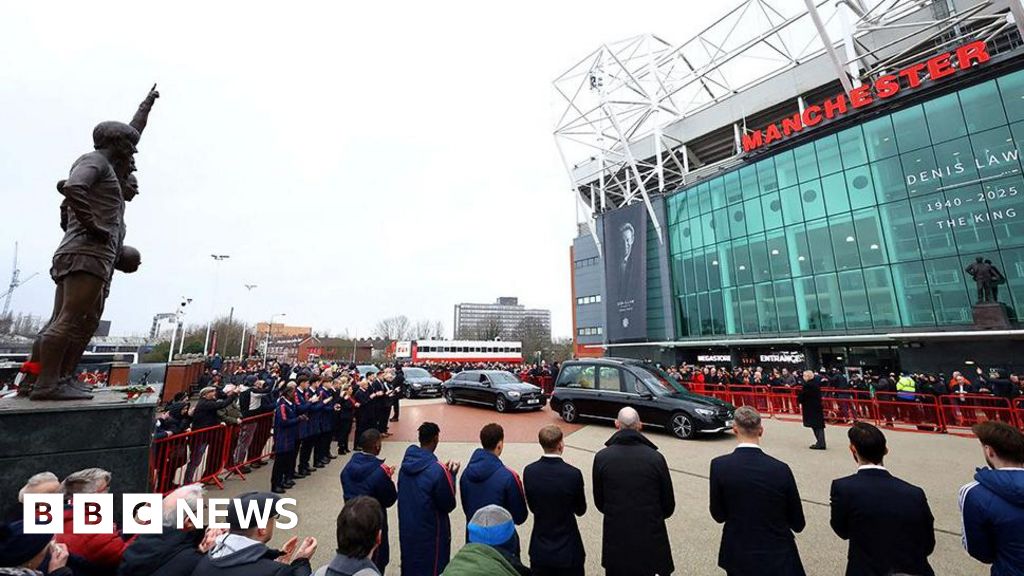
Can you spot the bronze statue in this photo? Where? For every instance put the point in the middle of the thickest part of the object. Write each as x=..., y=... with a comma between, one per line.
x=985, y=276
x=92, y=216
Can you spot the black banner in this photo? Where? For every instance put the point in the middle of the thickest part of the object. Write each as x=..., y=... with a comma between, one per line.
x=625, y=273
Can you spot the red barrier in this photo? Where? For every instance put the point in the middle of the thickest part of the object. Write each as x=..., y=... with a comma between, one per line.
x=249, y=442
x=782, y=404
x=961, y=411
x=754, y=396
x=196, y=456
x=1019, y=412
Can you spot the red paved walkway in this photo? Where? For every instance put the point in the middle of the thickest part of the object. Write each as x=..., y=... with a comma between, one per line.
x=462, y=423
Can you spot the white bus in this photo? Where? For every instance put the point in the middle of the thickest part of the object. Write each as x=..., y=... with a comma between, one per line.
x=460, y=351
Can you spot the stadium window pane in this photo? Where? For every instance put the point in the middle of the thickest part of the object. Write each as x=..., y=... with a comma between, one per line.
x=771, y=210
x=733, y=190
x=799, y=251
x=785, y=169
x=982, y=106
x=860, y=187
x=934, y=232
x=1005, y=199
x=852, y=149
x=752, y=215
x=945, y=119
x=706, y=321
x=717, y=190
x=714, y=271
x=748, y=310
x=881, y=297
x=766, y=178
x=995, y=153
x=827, y=150
x=732, y=310
x=785, y=304
x=766, y=313
x=792, y=206
x=740, y=260
x=870, y=244
x=844, y=242
x=880, y=139
x=887, y=177
x=855, y=299
x=820, y=243
x=807, y=304
x=717, y=312
x=811, y=199
x=918, y=166
x=830, y=305
x=911, y=129
x=1011, y=89
x=759, y=265
x=778, y=254
x=806, y=163
x=947, y=282
x=900, y=231
x=748, y=181
x=737, y=220
x=834, y=193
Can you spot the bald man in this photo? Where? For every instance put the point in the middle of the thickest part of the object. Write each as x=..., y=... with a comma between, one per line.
x=633, y=489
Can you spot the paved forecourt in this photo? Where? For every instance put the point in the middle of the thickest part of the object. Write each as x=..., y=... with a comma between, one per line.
x=939, y=464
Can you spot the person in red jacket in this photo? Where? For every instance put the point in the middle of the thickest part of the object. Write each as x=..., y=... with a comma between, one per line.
x=100, y=552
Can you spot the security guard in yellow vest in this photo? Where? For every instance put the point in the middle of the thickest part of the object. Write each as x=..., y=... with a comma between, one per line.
x=905, y=387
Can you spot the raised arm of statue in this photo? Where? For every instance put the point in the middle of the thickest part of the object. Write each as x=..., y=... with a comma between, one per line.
x=142, y=114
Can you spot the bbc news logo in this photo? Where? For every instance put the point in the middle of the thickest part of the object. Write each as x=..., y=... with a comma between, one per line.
x=143, y=513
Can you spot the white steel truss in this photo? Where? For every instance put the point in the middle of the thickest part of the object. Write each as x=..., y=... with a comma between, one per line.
x=617, y=101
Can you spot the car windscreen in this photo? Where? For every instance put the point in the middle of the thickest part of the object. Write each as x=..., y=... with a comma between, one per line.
x=415, y=373
x=659, y=381
x=502, y=378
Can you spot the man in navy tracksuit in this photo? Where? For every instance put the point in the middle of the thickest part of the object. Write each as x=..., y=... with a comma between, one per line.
x=426, y=496
x=367, y=475
x=993, y=505
x=487, y=481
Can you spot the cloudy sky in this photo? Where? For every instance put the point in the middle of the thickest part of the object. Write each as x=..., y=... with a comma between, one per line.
x=356, y=160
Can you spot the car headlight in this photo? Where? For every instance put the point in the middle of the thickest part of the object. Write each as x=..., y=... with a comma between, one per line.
x=417, y=386
x=704, y=412
x=513, y=395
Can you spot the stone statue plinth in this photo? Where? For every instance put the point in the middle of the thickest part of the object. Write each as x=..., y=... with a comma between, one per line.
x=991, y=316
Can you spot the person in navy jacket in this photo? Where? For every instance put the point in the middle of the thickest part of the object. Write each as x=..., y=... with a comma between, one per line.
x=367, y=475
x=556, y=496
x=487, y=480
x=286, y=439
x=426, y=496
x=993, y=505
x=307, y=405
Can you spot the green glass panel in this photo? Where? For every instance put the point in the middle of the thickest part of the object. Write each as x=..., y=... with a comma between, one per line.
x=792, y=206
x=870, y=244
x=919, y=167
x=692, y=315
x=767, y=181
x=759, y=264
x=786, y=305
x=1011, y=88
x=852, y=148
x=778, y=254
x=692, y=232
x=733, y=190
x=1013, y=269
x=820, y=242
x=700, y=275
x=844, y=242
x=879, y=138
x=934, y=226
x=719, y=221
x=715, y=271
x=811, y=199
x=830, y=303
x=806, y=162
x=827, y=150
x=706, y=321
x=995, y=153
x=785, y=169
x=738, y=219
x=887, y=176
x=945, y=120
x=752, y=215
x=946, y=280
x=1005, y=199
x=732, y=310
x=855, y=299
x=748, y=310
x=860, y=187
x=799, y=251
x=955, y=162
x=900, y=231
x=982, y=106
x=911, y=129
x=740, y=264
x=834, y=192
x=717, y=312
x=704, y=197
x=707, y=229
x=717, y=190
x=913, y=297
x=881, y=297
x=807, y=304
x=748, y=181
x=771, y=210
x=689, y=275
x=766, y=312
x=970, y=218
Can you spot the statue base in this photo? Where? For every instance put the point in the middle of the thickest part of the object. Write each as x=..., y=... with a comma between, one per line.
x=991, y=316
x=109, y=432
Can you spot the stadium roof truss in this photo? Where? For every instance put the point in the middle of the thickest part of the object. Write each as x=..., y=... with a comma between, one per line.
x=616, y=103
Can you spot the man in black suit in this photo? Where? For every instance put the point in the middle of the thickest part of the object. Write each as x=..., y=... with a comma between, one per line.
x=812, y=409
x=756, y=497
x=887, y=521
x=554, y=493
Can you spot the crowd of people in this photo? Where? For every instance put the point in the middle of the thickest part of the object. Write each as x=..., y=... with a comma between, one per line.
x=996, y=382
x=887, y=521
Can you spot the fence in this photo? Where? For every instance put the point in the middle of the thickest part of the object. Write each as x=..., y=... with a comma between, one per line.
x=954, y=414
x=204, y=455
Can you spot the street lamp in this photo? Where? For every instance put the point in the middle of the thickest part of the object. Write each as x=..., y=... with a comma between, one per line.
x=218, y=258
x=241, y=348
x=266, y=345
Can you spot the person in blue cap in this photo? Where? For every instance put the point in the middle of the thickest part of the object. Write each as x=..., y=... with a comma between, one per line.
x=492, y=547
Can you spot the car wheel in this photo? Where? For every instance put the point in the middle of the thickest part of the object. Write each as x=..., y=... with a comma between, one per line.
x=449, y=397
x=569, y=413
x=408, y=393
x=681, y=426
x=500, y=404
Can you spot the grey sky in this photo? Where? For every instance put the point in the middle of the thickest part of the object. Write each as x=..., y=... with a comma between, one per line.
x=356, y=160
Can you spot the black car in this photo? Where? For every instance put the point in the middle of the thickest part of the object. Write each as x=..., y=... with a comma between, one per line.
x=599, y=388
x=419, y=382
x=493, y=388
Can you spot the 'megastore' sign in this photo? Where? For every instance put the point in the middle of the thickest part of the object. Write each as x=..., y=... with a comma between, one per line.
x=936, y=68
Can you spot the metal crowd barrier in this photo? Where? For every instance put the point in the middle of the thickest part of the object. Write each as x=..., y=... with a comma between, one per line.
x=953, y=414
x=204, y=455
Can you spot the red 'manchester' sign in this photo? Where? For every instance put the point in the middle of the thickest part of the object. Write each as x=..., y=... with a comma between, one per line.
x=884, y=87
